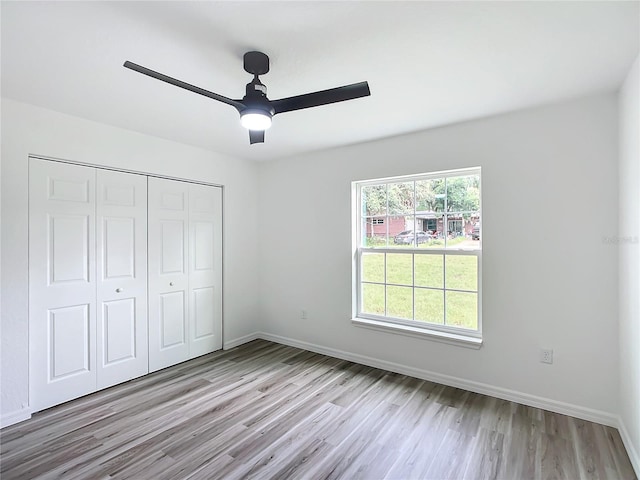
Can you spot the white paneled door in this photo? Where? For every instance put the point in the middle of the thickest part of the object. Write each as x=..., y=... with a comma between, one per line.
x=185, y=251
x=168, y=272
x=205, y=266
x=62, y=282
x=121, y=232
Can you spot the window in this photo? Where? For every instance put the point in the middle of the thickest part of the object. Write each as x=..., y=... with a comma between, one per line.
x=419, y=269
x=429, y=225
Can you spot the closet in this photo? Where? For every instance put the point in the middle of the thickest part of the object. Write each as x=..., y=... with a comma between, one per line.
x=125, y=277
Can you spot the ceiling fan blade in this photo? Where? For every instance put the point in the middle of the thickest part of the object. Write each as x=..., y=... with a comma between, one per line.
x=256, y=136
x=323, y=97
x=187, y=86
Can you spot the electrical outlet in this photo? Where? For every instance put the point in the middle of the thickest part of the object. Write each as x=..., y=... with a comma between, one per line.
x=546, y=355
x=303, y=315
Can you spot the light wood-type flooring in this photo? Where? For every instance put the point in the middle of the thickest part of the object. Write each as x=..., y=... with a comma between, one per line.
x=264, y=410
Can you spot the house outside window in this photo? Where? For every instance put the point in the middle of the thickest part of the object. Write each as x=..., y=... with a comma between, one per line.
x=418, y=266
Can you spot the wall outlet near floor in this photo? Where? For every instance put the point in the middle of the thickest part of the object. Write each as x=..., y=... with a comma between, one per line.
x=546, y=355
x=303, y=315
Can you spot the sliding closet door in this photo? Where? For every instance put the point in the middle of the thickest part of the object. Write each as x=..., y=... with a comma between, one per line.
x=62, y=282
x=205, y=269
x=168, y=272
x=185, y=271
x=122, y=352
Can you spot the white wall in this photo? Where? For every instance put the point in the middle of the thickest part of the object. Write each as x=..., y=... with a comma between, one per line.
x=549, y=179
x=629, y=266
x=31, y=130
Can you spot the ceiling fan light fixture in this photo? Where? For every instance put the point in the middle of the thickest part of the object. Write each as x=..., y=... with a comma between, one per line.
x=255, y=120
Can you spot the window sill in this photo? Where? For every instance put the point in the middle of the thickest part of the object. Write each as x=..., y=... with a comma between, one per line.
x=444, y=337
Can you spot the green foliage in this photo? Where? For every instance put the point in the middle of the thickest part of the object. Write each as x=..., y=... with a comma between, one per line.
x=374, y=200
x=400, y=197
x=463, y=194
x=459, y=194
x=430, y=195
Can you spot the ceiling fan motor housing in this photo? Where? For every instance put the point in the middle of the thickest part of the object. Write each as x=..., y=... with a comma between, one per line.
x=256, y=98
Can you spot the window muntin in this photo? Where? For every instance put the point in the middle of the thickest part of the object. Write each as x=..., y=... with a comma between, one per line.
x=422, y=268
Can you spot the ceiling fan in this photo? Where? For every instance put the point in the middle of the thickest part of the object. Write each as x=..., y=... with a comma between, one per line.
x=256, y=110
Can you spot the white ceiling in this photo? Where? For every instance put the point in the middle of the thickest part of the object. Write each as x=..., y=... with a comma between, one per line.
x=427, y=63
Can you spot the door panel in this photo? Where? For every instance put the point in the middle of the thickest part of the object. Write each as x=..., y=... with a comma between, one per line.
x=172, y=321
x=168, y=276
x=203, y=246
x=204, y=303
x=119, y=330
x=205, y=269
x=62, y=282
x=172, y=245
x=68, y=248
x=122, y=277
x=120, y=195
x=69, y=189
x=119, y=247
x=175, y=199
x=69, y=341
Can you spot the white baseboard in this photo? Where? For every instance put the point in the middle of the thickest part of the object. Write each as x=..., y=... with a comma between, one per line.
x=577, y=411
x=240, y=341
x=632, y=451
x=12, y=418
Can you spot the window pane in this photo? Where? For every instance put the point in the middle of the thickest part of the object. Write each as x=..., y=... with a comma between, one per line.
x=462, y=310
x=402, y=231
x=461, y=272
x=374, y=200
x=374, y=232
x=401, y=198
x=463, y=194
x=429, y=271
x=400, y=302
x=400, y=268
x=430, y=305
x=373, y=267
x=430, y=195
x=373, y=298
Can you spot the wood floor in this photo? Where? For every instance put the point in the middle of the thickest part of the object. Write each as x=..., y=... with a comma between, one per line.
x=265, y=410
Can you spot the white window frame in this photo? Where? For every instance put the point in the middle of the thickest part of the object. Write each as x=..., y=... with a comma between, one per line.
x=444, y=333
